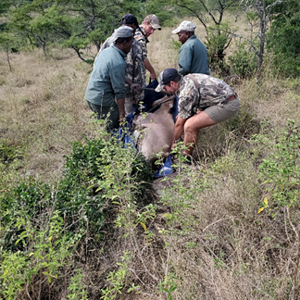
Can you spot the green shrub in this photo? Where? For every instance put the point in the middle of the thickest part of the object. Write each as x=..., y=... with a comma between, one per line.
x=9, y=153
x=283, y=41
x=47, y=249
x=90, y=175
x=218, y=40
x=30, y=198
x=280, y=171
x=243, y=62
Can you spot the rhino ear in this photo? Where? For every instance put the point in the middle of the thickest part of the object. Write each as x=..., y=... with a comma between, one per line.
x=158, y=101
x=161, y=100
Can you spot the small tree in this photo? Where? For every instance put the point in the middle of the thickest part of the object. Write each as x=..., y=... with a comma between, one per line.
x=6, y=44
x=283, y=38
x=218, y=35
x=71, y=23
x=263, y=9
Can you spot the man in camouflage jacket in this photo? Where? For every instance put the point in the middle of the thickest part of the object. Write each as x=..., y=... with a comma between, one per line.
x=202, y=101
x=135, y=69
x=149, y=25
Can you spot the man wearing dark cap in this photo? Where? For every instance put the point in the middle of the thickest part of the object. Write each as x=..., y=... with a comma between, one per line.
x=202, y=101
x=193, y=54
x=149, y=25
x=135, y=69
x=105, y=93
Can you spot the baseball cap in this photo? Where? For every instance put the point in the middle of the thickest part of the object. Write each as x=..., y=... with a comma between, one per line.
x=165, y=77
x=185, y=26
x=153, y=21
x=130, y=19
x=122, y=32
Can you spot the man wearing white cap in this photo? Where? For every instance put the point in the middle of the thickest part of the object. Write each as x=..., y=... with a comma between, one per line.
x=148, y=26
x=106, y=92
x=192, y=54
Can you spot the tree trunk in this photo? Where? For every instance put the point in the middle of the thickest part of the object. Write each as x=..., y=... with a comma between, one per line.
x=7, y=58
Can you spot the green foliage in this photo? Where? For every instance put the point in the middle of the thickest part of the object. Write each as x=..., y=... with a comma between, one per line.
x=217, y=41
x=283, y=40
x=76, y=288
x=166, y=13
x=280, y=171
x=243, y=62
x=77, y=196
x=74, y=24
x=169, y=285
x=12, y=270
x=118, y=279
x=9, y=153
x=99, y=170
x=47, y=250
x=42, y=224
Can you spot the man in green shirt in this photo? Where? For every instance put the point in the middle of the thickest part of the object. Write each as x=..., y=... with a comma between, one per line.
x=106, y=92
x=192, y=54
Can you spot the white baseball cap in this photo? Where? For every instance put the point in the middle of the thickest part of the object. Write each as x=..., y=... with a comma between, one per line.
x=185, y=26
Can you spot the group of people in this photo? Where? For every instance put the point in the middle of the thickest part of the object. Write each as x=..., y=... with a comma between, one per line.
x=116, y=84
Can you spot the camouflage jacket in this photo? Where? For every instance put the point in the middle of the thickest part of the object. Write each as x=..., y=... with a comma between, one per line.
x=135, y=69
x=142, y=39
x=200, y=91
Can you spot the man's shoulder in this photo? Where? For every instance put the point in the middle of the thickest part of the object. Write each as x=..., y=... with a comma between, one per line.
x=140, y=36
x=197, y=42
x=136, y=45
x=194, y=80
x=108, y=51
x=187, y=84
x=108, y=42
x=112, y=54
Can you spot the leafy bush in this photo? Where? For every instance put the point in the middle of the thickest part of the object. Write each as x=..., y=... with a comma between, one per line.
x=217, y=41
x=243, y=62
x=280, y=171
x=29, y=198
x=9, y=153
x=45, y=251
x=283, y=40
x=41, y=225
x=89, y=176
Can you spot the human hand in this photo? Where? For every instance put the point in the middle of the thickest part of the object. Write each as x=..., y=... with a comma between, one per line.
x=122, y=118
x=153, y=75
x=136, y=87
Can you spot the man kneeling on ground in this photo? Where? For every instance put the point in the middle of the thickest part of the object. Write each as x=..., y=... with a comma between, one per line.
x=202, y=101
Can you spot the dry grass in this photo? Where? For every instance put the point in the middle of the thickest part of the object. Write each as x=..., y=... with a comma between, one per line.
x=43, y=107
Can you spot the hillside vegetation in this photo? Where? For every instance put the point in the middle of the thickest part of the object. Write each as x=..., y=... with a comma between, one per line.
x=82, y=218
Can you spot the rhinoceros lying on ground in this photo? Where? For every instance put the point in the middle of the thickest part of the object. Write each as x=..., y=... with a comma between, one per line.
x=155, y=130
